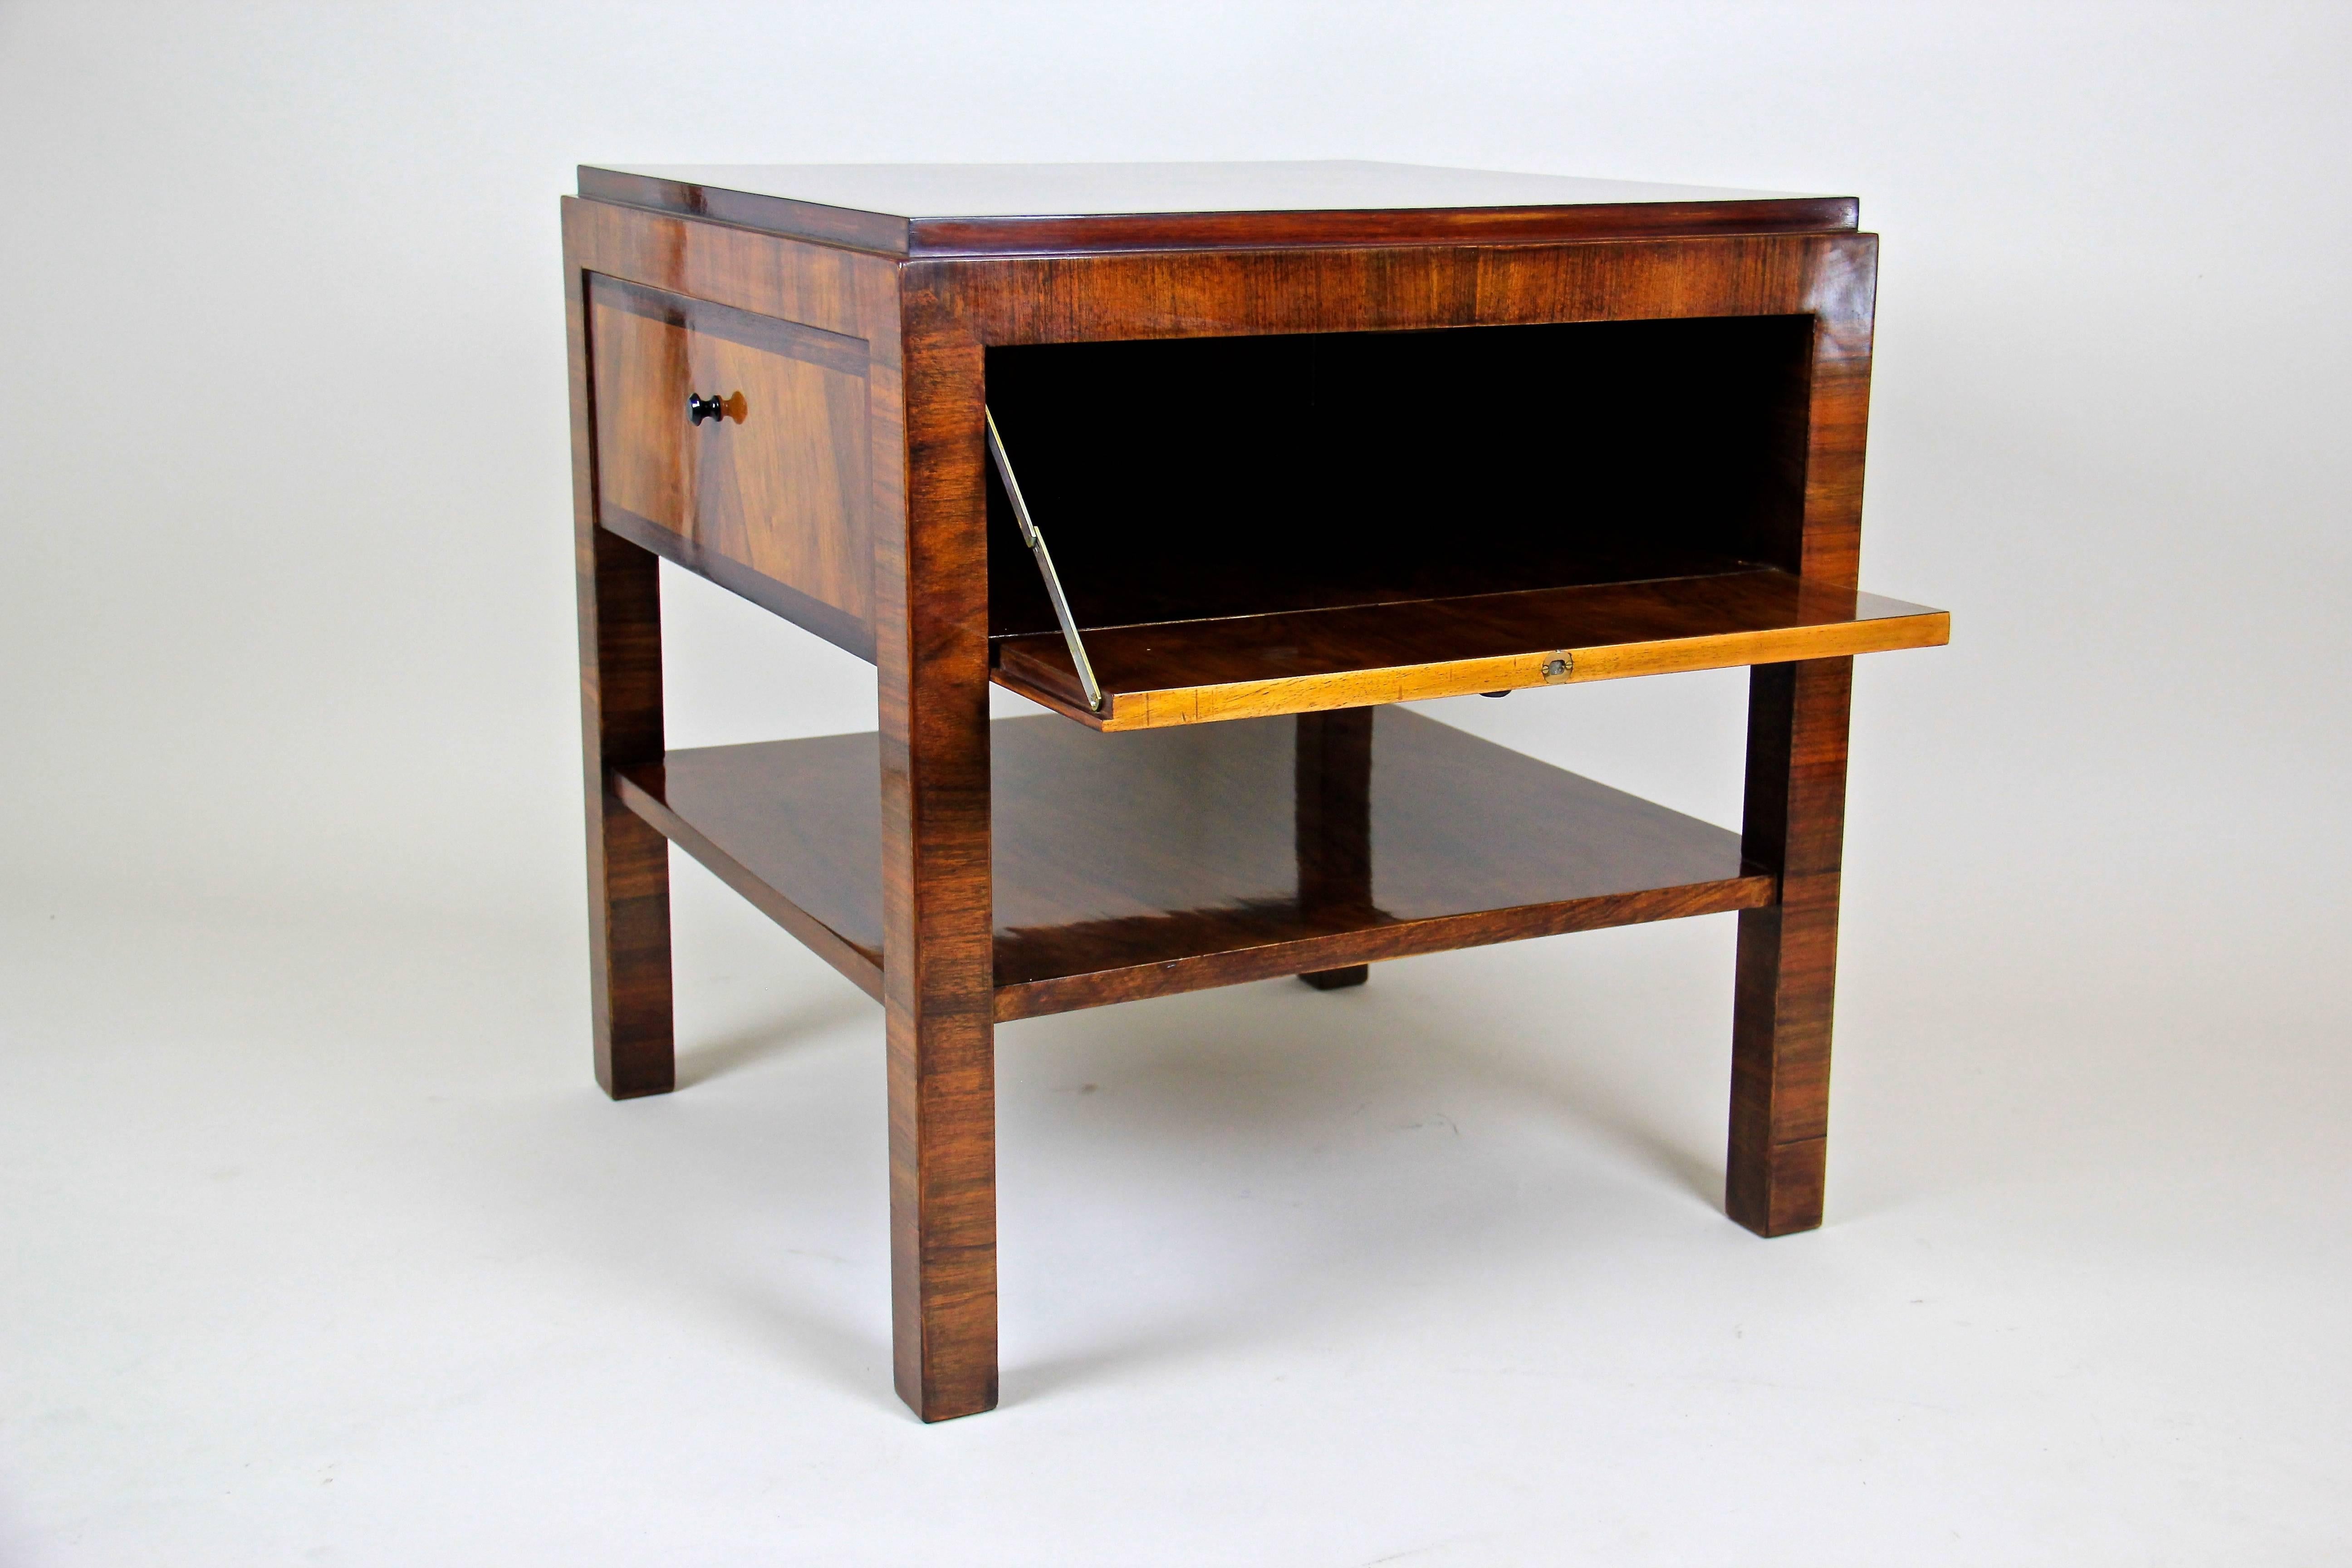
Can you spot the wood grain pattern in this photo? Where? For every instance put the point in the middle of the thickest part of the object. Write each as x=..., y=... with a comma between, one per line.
x=1332, y=801
x=1622, y=455
x=845, y=632
x=1244, y=949
x=1142, y=865
x=777, y=485
x=1469, y=214
x=619, y=605
x=1248, y=666
x=814, y=285
x=1183, y=294
x=931, y=639
x=703, y=802
x=828, y=290
x=1166, y=860
x=1794, y=824
x=1809, y=523
x=1473, y=225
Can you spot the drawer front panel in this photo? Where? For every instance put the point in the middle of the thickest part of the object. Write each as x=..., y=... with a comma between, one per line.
x=776, y=481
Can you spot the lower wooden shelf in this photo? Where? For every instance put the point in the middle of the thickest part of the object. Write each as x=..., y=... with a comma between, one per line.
x=1138, y=865
x=1236, y=667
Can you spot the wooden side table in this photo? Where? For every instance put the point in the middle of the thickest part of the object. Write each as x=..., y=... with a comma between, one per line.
x=1215, y=461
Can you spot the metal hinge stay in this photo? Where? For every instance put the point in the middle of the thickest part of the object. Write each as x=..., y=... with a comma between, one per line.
x=1036, y=543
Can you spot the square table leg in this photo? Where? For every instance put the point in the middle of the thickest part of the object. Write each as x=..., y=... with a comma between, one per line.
x=939, y=958
x=628, y=861
x=1795, y=826
x=1333, y=801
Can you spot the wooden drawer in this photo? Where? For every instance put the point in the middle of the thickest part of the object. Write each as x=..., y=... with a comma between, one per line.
x=769, y=495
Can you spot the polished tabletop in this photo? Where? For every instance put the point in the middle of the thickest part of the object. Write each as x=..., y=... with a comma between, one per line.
x=915, y=208
x=1036, y=190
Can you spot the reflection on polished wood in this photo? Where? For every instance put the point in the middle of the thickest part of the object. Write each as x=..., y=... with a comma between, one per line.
x=1248, y=666
x=1332, y=791
x=949, y=209
x=719, y=805
x=1307, y=438
x=775, y=490
x=1142, y=865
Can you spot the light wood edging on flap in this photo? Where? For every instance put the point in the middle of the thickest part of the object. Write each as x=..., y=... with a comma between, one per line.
x=1462, y=677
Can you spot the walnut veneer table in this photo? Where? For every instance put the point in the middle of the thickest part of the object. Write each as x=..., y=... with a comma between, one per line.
x=1306, y=440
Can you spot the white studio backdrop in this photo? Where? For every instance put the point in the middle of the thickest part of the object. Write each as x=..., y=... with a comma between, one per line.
x=287, y=606
x=286, y=617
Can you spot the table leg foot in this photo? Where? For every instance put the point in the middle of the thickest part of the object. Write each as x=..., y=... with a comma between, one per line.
x=1794, y=824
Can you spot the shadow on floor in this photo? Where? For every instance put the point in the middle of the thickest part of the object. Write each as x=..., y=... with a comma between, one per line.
x=770, y=1037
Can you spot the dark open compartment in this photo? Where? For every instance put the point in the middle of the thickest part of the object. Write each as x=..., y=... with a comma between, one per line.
x=1255, y=525
x=1187, y=479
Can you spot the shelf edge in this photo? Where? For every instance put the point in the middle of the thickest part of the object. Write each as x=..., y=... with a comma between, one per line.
x=1406, y=939
x=816, y=936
